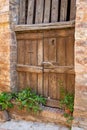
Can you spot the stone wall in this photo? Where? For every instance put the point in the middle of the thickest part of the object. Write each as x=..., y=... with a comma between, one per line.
x=8, y=46
x=5, y=39
x=80, y=111
x=13, y=8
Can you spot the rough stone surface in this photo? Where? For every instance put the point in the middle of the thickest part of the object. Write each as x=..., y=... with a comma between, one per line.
x=47, y=114
x=4, y=46
x=8, y=51
x=8, y=45
x=4, y=116
x=24, y=125
x=13, y=8
x=80, y=108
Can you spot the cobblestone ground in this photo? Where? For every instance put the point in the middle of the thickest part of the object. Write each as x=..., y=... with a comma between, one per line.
x=24, y=125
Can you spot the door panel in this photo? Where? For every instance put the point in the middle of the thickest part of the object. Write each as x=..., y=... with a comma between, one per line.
x=46, y=59
x=57, y=63
x=30, y=57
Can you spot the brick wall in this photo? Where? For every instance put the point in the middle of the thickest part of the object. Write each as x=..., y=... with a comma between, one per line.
x=80, y=111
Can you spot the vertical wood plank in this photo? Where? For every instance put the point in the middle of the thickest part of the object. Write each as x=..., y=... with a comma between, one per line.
x=27, y=80
x=46, y=49
x=70, y=83
x=46, y=84
x=33, y=81
x=27, y=61
x=27, y=52
x=73, y=10
x=20, y=51
x=70, y=61
x=52, y=86
x=40, y=60
x=22, y=11
x=40, y=52
x=21, y=60
x=52, y=50
x=63, y=10
x=34, y=52
x=70, y=51
x=46, y=75
x=21, y=78
x=33, y=76
x=54, y=13
x=40, y=84
x=30, y=14
x=61, y=59
x=39, y=11
x=47, y=11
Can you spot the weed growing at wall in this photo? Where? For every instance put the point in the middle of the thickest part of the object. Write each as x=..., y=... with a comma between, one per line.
x=67, y=103
x=5, y=101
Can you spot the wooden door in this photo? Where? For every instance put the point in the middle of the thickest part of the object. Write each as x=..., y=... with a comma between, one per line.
x=58, y=56
x=30, y=58
x=46, y=58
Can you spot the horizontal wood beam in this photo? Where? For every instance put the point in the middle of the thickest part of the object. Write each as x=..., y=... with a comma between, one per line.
x=31, y=69
x=29, y=36
x=36, y=69
x=47, y=34
x=60, y=69
x=44, y=26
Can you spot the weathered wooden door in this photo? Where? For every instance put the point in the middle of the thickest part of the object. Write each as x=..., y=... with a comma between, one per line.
x=30, y=58
x=46, y=58
x=58, y=56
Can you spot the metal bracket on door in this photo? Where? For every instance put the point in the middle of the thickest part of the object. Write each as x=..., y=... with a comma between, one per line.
x=48, y=64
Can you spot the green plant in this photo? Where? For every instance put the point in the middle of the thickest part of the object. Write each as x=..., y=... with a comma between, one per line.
x=5, y=100
x=29, y=100
x=69, y=117
x=23, y=99
x=67, y=103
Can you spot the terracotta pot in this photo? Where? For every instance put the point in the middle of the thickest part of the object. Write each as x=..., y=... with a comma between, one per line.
x=67, y=111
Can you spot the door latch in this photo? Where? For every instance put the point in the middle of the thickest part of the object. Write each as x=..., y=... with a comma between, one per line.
x=47, y=63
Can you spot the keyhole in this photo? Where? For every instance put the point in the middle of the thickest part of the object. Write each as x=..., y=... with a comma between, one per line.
x=53, y=41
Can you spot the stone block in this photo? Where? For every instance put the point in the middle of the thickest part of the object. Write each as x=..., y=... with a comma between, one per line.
x=4, y=116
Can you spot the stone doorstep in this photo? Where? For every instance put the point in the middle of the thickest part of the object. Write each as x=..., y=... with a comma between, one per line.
x=48, y=115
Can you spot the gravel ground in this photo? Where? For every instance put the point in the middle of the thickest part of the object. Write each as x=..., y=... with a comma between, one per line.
x=25, y=125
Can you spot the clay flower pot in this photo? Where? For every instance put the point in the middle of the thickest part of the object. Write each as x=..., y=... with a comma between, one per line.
x=67, y=111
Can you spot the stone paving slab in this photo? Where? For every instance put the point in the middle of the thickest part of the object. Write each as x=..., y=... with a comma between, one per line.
x=25, y=125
